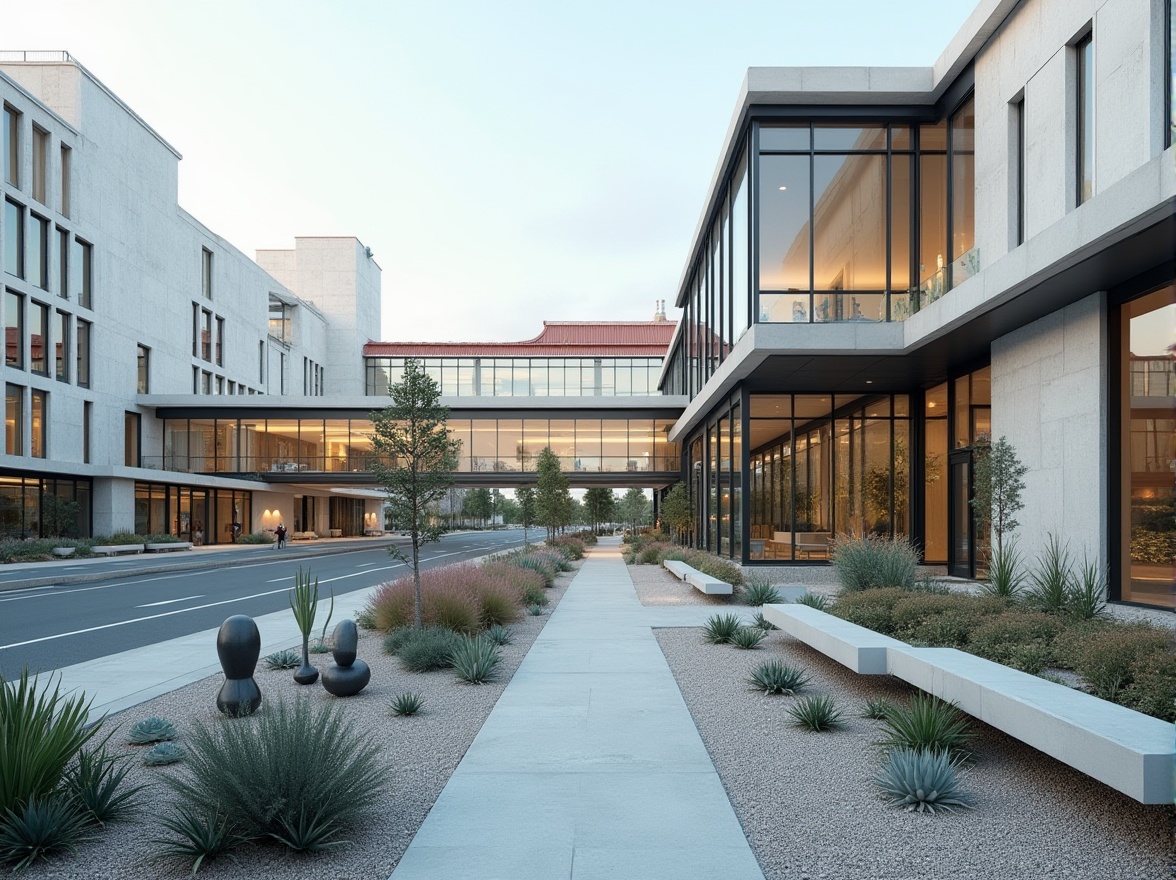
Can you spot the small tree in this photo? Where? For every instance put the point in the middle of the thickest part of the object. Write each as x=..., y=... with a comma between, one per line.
x=677, y=511
x=553, y=500
x=996, y=488
x=416, y=462
x=635, y=507
x=526, y=499
x=599, y=505
x=478, y=505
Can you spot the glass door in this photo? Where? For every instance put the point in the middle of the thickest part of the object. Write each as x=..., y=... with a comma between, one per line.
x=961, y=558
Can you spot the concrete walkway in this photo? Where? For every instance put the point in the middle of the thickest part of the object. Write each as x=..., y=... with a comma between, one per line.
x=590, y=765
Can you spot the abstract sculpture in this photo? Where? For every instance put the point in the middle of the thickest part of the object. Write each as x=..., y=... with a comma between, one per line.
x=238, y=645
x=348, y=676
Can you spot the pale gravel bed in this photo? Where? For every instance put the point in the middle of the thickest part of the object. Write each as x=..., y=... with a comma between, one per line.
x=810, y=810
x=421, y=753
x=656, y=586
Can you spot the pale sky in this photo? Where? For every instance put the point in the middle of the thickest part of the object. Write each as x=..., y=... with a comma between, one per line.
x=506, y=162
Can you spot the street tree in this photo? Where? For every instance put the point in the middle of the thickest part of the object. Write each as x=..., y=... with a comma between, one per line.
x=478, y=505
x=415, y=461
x=677, y=511
x=526, y=498
x=600, y=506
x=634, y=508
x=553, y=500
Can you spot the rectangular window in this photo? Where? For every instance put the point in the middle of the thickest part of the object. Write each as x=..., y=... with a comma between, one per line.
x=38, y=257
x=195, y=380
x=205, y=382
x=305, y=376
x=87, y=419
x=39, y=424
x=261, y=362
x=205, y=335
x=965, y=260
x=282, y=371
x=14, y=419
x=1084, y=130
x=61, y=347
x=220, y=342
x=11, y=146
x=82, y=272
x=14, y=234
x=1017, y=159
x=63, y=263
x=206, y=272
x=220, y=385
x=40, y=163
x=279, y=319
x=83, y=337
x=13, y=330
x=38, y=338
x=131, y=427
x=144, y=361
x=66, y=194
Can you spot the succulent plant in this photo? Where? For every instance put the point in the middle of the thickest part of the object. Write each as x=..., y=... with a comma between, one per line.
x=816, y=714
x=760, y=593
x=720, y=628
x=162, y=753
x=813, y=600
x=287, y=658
x=921, y=781
x=748, y=637
x=535, y=609
x=499, y=635
x=476, y=660
x=877, y=708
x=406, y=704
x=151, y=730
x=778, y=677
x=760, y=622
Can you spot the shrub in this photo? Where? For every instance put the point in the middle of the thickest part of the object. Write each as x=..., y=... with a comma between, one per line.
x=872, y=609
x=391, y=605
x=1069, y=645
x=1020, y=639
x=816, y=714
x=927, y=724
x=43, y=825
x=1005, y=576
x=538, y=563
x=534, y=596
x=117, y=538
x=778, y=677
x=1107, y=660
x=41, y=549
x=876, y=709
x=296, y=772
x=557, y=560
x=722, y=569
x=1050, y=579
x=95, y=782
x=748, y=637
x=920, y=781
x=424, y=650
x=872, y=562
x=571, y=546
x=523, y=579
x=651, y=554
x=1087, y=592
x=202, y=836
x=535, y=609
x=151, y=730
x=814, y=600
x=406, y=704
x=397, y=639
x=256, y=538
x=365, y=619
x=1153, y=685
x=932, y=619
x=287, y=658
x=759, y=621
x=721, y=628
x=499, y=635
x=499, y=602
x=162, y=754
x=759, y=593
x=476, y=660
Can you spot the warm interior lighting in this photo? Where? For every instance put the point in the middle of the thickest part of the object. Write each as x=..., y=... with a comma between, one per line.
x=783, y=188
x=931, y=404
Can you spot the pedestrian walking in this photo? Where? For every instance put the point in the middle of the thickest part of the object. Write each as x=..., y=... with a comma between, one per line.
x=280, y=531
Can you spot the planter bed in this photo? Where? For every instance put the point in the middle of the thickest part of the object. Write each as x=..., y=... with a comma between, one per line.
x=115, y=549
x=168, y=546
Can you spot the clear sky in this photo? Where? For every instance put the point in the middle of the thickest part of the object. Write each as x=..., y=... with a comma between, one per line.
x=506, y=162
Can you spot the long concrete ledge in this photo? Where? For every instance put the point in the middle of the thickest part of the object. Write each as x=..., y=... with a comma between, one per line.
x=704, y=583
x=1127, y=750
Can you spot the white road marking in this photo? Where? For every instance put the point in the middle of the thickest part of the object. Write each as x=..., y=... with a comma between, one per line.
x=169, y=601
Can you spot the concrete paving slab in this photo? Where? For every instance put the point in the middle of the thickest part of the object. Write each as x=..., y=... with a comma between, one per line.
x=593, y=752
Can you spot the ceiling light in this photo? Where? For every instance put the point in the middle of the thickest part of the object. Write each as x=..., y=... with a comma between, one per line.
x=869, y=381
x=782, y=188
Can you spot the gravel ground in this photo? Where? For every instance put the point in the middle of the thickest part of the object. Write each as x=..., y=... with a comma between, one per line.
x=421, y=752
x=810, y=810
x=656, y=586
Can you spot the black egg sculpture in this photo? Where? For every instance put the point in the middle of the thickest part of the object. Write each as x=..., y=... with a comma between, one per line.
x=348, y=676
x=238, y=645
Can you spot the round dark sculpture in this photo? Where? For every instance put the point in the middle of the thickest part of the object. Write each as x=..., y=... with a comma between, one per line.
x=306, y=673
x=238, y=645
x=348, y=676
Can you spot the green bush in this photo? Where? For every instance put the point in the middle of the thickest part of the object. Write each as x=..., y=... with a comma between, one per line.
x=256, y=538
x=748, y=637
x=571, y=546
x=816, y=714
x=1050, y=579
x=945, y=621
x=873, y=562
x=397, y=638
x=295, y=772
x=927, y=724
x=1020, y=639
x=426, y=649
x=476, y=660
x=200, y=836
x=1006, y=578
x=499, y=635
x=814, y=600
x=778, y=677
x=759, y=592
x=538, y=563
x=41, y=549
x=43, y=825
x=872, y=609
x=406, y=704
x=722, y=569
x=876, y=708
x=1070, y=643
x=720, y=629
x=1153, y=685
x=1107, y=660
x=95, y=782
x=117, y=539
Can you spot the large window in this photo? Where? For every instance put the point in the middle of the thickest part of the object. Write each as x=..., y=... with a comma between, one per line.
x=61, y=347
x=80, y=266
x=40, y=163
x=14, y=239
x=38, y=256
x=279, y=319
x=524, y=377
x=143, y=385
x=11, y=157
x=14, y=419
x=83, y=337
x=39, y=424
x=132, y=427
x=206, y=273
x=39, y=338
x=32, y=507
x=13, y=330
x=1147, y=431
x=1084, y=129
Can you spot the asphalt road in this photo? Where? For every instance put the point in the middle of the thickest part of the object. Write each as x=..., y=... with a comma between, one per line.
x=50, y=627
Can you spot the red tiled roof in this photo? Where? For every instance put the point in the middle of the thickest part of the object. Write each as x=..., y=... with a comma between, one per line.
x=558, y=339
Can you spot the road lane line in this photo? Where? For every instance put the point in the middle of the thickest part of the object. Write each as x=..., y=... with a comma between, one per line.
x=169, y=601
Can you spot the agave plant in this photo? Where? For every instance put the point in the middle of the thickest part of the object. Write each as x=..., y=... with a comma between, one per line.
x=1051, y=578
x=499, y=635
x=151, y=730
x=287, y=658
x=921, y=781
x=535, y=609
x=721, y=628
x=760, y=593
x=778, y=677
x=202, y=836
x=40, y=827
x=813, y=600
x=748, y=637
x=1086, y=596
x=927, y=724
x=95, y=782
x=406, y=704
x=162, y=753
x=877, y=708
x=1005, y=578
x=476, y=660
x=816, y=714
x=760, y=622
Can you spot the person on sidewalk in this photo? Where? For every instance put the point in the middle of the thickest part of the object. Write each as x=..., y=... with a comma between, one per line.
x=280, y=531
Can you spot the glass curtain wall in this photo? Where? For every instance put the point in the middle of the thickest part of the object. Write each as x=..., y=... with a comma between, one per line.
x=44, y=507
x=344, y=445
x=1147, y=428
x=525, y=377
x=822, y=465
x=192, y=513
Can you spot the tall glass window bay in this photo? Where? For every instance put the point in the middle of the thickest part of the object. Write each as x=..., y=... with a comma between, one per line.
x=1085, y=114
x=784, y=232
x=966, y=261
x=739, y=252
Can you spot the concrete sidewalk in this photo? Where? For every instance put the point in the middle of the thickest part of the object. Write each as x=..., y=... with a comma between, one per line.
x=590, y=765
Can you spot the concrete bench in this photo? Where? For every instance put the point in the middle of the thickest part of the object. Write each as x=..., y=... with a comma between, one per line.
x=115, y=549
x=168, y=546
x=303, y=536
x=63, y=551
x=853, y=646
x=704, y=583
x=1127, y=750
